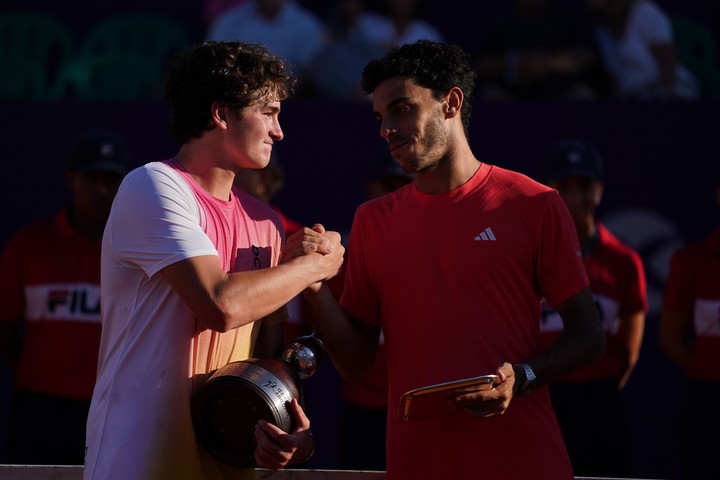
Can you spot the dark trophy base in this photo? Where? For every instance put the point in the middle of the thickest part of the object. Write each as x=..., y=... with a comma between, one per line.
x=227, y=407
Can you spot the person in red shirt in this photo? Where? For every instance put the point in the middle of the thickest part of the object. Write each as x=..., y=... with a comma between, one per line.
x=588, y=402
x=452, y=268
x=690, y=336
x=364, y=420
x=50, y=308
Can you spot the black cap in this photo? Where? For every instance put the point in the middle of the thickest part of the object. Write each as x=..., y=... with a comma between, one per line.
x=99, y=151
x=574, y=158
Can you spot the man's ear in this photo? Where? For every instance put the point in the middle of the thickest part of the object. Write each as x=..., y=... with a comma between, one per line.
x=218, y=114
x=453, y=102
x=598, y=193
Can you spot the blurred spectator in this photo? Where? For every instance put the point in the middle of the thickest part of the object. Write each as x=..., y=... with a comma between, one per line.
x=50, y=309
x=288, y=29
x=588, y=403
x=398, y=22
x=697, y=50
x=540, y=51
x=337, y=68
x=387, y=176
x=635, y=38
x=212, y=9
x=264, y=184
x=364, y=417
x=690, y=336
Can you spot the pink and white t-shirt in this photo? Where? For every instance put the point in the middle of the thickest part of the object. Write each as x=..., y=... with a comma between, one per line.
x=154, y=352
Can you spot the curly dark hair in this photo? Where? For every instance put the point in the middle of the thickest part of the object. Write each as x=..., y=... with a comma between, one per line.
x=434, y=65
x=233, y=73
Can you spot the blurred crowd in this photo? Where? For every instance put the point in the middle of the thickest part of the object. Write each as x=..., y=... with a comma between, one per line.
x=522, y=49
x=538, y=49
x=633, y=50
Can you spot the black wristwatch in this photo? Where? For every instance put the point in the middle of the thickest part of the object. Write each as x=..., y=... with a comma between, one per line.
x=530, y=380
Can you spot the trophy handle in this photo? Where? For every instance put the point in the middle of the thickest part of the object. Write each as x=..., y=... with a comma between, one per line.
x=304, y=355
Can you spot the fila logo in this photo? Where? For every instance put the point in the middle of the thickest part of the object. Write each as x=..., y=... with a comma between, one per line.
x=71, y=301
x=487, y=234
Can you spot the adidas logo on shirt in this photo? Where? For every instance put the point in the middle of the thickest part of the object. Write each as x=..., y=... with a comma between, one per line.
x=486, y=234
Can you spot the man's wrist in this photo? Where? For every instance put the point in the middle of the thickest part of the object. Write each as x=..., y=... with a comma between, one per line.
x=526, y=380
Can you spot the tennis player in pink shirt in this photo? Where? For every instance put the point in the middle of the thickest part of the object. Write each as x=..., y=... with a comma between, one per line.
x=191, y=277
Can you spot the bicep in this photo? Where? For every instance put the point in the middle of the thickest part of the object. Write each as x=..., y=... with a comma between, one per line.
x=197, y=281
x=632, y=327
x=579, y=313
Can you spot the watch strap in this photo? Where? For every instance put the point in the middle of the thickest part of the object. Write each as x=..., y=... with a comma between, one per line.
x=530, y=380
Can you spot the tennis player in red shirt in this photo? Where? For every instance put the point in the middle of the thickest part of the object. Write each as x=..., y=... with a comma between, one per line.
x=453, y=267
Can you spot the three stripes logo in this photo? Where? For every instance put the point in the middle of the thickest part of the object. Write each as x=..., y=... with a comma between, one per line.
x=486, y=235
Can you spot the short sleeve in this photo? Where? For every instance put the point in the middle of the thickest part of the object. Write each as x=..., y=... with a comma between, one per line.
x=156, y=201
x=635, y=299
x=358, y=297
x=679, y=293
x=560, y=270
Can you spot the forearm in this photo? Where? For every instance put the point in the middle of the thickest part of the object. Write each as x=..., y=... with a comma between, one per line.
x=675, y=325
x=351, y=344
x=627, y=359
x=224, y=301
x=628, y=343
x=581, y=342
x=567, y=354
x=249, y=296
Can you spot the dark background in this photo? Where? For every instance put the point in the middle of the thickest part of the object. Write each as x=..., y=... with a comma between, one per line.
x=661, y=161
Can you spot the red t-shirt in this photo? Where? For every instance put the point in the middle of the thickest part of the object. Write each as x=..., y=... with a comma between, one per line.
x=456, y=280
x=50, y=281
x=693, y=284
x=617, y=280
x=369, y=390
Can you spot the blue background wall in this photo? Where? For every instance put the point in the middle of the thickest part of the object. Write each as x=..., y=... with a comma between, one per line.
x=660, y=160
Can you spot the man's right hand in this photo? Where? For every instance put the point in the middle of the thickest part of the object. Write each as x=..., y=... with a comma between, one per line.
x=316, y=240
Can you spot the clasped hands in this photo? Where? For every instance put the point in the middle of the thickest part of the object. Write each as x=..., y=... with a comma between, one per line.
x=316, y=241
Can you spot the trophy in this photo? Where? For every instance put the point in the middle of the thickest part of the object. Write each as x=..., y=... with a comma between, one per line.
x=226, y=408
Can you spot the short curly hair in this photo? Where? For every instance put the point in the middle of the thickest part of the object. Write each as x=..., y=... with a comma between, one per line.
x=434, y=65
x=233, y=73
